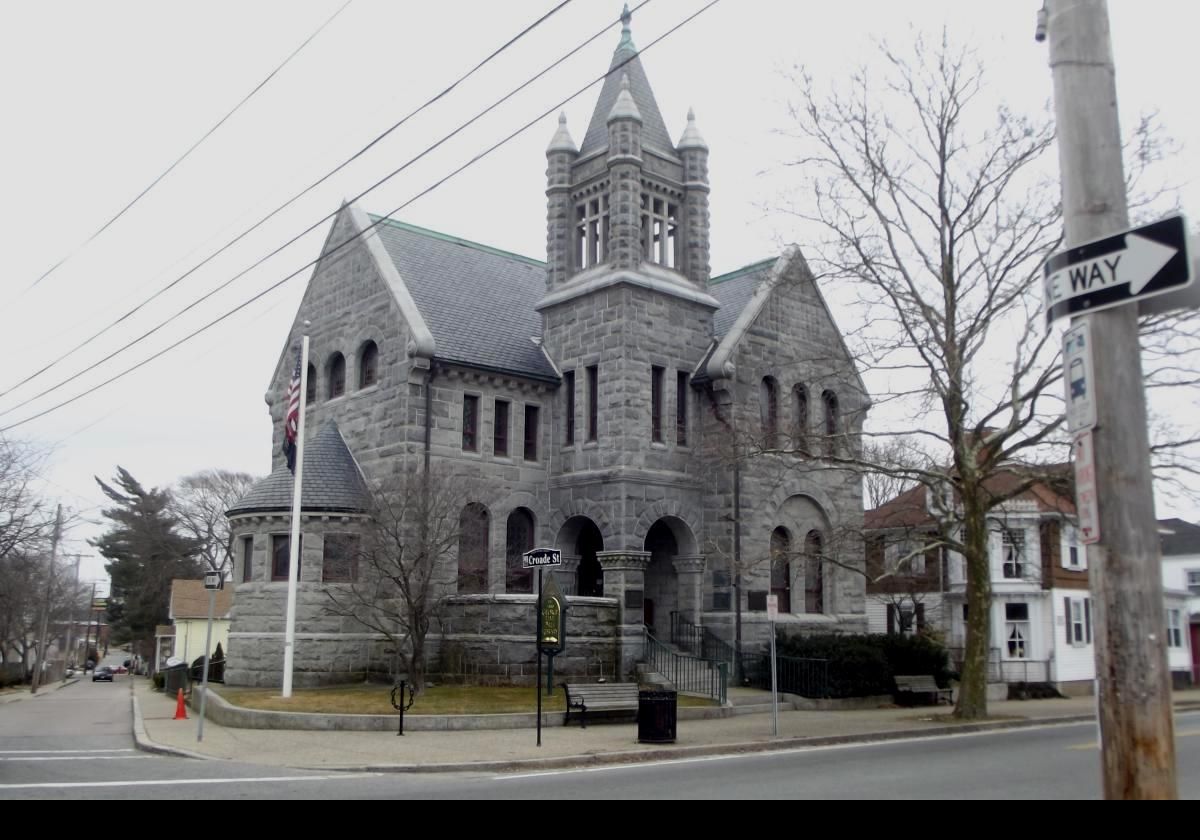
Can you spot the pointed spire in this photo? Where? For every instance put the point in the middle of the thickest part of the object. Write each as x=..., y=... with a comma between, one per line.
x=624, y=107
x=626, y=33
x=691, y=138
x=561, y=141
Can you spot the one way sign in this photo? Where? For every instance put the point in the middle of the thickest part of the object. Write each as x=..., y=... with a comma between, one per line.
x=1137, y=264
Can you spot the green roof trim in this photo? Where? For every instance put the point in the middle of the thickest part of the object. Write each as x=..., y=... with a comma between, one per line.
x=445, y=237
x=744, y=270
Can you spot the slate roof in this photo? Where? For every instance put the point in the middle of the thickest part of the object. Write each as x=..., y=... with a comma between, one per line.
x=1183, y=539
x=654, y=130
x=332, y=480
x=734, y=290
x=189, y=599
x=478, y=301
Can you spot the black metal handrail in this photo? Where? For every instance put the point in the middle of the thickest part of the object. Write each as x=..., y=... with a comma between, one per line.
x=692, y=674
x=700, y=641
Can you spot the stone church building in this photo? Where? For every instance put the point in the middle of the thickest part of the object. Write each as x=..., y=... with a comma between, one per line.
x=614, y=401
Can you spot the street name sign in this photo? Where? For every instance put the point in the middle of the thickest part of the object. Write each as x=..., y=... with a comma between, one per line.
x=1140, y=263
x=539, y=558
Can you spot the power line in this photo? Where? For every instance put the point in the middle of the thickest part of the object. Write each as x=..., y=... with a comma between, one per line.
x=285, y=205
x=368, y=228
x=289, y=242
x=184, y=156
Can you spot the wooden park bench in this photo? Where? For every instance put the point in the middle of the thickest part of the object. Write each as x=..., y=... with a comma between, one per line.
x=599, y=697
x=911, y=688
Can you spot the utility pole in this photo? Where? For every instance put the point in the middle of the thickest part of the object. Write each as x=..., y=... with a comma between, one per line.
x=43, y=643
x=1124, y=566
x=70, y=653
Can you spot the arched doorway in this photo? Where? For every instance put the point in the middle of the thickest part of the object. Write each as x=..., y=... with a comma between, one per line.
x=667, y=539
x=580, y=536
x=662, y=584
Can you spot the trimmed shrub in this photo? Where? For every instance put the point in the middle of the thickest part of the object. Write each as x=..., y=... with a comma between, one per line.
x=860, y=666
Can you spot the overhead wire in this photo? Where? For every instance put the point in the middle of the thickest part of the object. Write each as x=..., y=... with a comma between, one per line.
x=286, y=204
x=318, y=223
x=185, y=155
x=334, y=249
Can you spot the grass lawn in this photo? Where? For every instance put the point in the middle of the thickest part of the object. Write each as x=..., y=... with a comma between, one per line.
x=360, y=699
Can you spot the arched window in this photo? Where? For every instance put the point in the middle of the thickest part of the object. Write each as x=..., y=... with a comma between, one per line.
x=518, y=541
x=368, y=365
x=800, y=417
x=337, y=375
x=310, y=389
x=814, y=594
x=768, y=404
x=473, y=549
x=831, y=422
x=781, y=568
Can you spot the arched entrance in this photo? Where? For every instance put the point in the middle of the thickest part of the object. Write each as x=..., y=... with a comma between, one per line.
x=667, y=539
x=580, y=536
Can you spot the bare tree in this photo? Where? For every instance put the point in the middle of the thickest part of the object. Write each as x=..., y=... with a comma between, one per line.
x=405, y=562
x=940, y=223
x=25, y=517
x=883, y=485
x=199, y=504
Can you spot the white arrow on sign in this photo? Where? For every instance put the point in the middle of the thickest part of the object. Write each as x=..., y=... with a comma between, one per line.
x=1135, y=265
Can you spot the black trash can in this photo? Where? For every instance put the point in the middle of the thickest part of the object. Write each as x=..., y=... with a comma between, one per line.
x=656, y=717
x=175, y=678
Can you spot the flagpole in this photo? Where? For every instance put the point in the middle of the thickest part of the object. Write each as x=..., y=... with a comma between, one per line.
x=289, y=637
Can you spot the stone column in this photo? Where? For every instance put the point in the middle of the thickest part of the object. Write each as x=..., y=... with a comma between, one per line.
x=567, y=574
x=689, y=570
x=625, y=580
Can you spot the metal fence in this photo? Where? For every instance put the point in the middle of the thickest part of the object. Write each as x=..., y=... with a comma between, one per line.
x=1004, y=670
x=793, y=675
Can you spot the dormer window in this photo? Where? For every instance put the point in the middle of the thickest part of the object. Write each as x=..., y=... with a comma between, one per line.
x=591, y=231
x=660, y=230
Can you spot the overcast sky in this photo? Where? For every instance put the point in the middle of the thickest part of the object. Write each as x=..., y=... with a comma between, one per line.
x=99, y=98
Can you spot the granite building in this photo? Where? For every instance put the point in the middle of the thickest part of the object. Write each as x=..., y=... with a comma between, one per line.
x=672, y=433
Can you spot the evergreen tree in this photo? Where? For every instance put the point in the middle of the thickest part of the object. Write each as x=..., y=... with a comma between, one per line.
x=146, y=553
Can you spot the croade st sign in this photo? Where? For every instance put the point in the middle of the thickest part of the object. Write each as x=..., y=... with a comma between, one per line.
x=1141, y=263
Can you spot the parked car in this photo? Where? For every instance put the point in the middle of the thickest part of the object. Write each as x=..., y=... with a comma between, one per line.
x=104, y=673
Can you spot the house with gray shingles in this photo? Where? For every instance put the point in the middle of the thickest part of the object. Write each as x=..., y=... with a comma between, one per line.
x=614, y=401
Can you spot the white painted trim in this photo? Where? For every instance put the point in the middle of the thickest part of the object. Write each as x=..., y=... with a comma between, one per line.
x=647, y=276
x=422, y=338
x=720, y=364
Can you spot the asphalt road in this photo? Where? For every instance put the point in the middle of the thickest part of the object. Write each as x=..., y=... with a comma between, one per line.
x=76, y=743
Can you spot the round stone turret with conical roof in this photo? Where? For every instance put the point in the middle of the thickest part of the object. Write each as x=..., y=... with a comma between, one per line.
x=561, y=141
x=691, y=138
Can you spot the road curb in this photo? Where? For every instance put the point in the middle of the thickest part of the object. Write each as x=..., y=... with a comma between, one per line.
x=700, y=750
x=144, y=743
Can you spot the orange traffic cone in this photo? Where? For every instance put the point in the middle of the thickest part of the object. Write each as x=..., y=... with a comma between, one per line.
x=180, y=708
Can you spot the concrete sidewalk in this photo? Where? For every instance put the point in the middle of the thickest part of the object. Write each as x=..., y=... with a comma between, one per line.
x=508, y=749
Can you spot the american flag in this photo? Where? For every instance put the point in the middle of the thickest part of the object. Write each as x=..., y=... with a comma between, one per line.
x=291, y=420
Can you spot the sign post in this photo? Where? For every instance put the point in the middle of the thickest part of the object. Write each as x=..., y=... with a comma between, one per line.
x=540, y=558
x=772, y=614
x=213, y=580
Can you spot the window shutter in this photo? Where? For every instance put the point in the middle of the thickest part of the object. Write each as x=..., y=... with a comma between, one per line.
x=1067, y=613
x=920, y=617
x=1087, y=619
x=891, y=619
